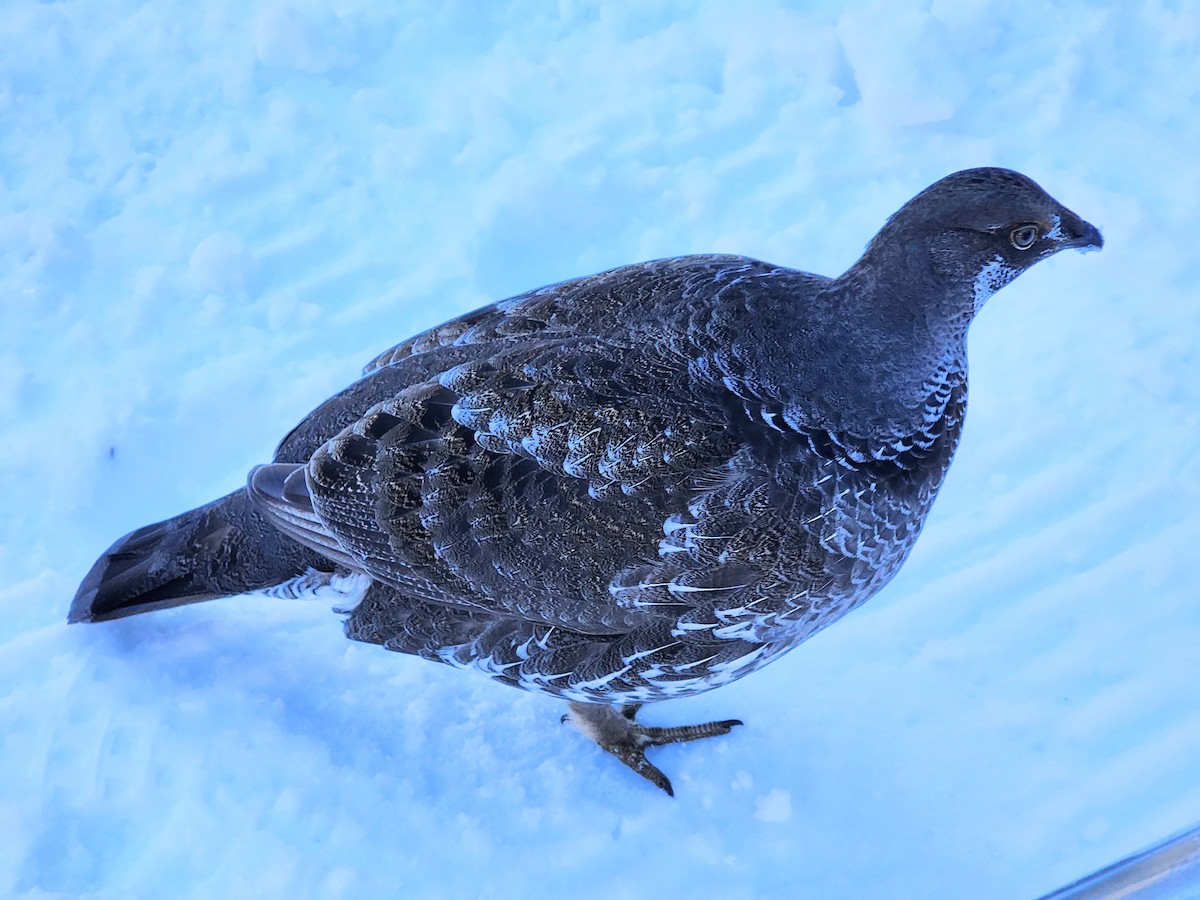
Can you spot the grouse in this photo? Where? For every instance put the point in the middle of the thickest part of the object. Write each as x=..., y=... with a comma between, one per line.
x=633, y=486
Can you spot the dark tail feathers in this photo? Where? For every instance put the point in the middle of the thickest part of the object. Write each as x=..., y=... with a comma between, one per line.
x=220, y=549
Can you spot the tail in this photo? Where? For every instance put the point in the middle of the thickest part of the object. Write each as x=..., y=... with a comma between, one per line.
x=224, y=548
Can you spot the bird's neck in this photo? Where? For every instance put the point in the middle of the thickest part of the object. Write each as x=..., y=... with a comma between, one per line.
x=899, y=286
x=866, y=351
x=902, y=308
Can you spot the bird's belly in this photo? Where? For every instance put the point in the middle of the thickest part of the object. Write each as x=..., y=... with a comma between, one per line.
x=866, y=543
x=858, y=544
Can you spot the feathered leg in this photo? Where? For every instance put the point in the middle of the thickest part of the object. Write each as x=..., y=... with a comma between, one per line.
x=615, y=730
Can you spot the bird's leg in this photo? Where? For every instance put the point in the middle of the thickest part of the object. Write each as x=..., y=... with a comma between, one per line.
x=616, y=731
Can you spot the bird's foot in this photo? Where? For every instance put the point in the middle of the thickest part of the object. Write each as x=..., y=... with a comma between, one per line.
x=615, y=730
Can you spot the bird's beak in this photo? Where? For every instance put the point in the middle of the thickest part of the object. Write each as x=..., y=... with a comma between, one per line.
x=1075, y=233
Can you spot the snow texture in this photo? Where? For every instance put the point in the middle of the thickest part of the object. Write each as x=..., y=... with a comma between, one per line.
x=213, y=214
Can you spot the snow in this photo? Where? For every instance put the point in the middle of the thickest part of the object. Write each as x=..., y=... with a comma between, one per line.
x=214, y=214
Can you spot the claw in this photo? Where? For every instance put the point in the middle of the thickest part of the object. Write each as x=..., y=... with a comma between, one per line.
x=616, y=731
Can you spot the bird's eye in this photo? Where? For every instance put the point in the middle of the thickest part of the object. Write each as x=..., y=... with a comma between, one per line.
x=1024, y=236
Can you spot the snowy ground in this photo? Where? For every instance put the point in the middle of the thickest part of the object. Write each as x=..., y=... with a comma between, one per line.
x=211, y=218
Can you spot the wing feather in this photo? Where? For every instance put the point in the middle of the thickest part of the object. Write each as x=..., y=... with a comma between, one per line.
x=515, y=463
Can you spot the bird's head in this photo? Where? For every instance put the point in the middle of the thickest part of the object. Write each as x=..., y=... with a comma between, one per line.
x=979, y=229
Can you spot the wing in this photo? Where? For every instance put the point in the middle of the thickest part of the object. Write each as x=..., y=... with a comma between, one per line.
x=662, y=300
x=519, y=483
x=570, y=457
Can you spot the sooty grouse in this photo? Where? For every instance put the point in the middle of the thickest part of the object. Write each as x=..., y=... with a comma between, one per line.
x=633, y=486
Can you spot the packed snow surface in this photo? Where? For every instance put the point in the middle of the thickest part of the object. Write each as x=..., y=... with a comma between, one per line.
x=213, y=214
